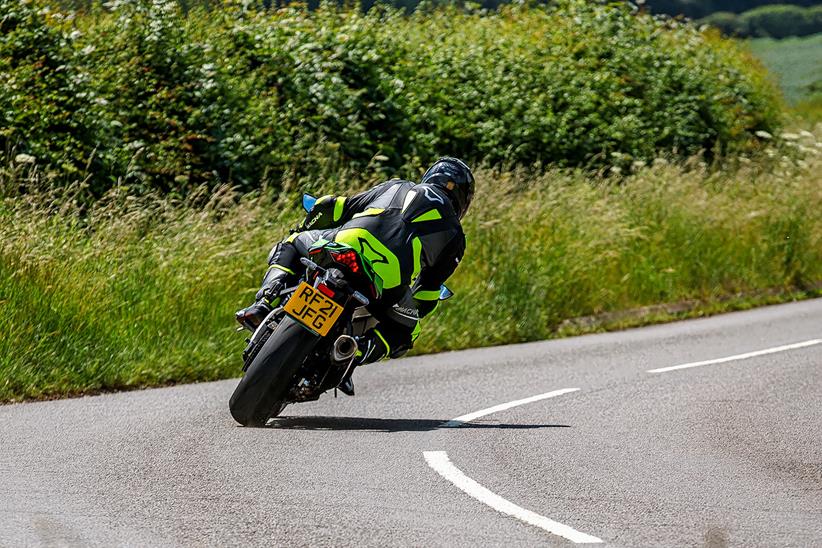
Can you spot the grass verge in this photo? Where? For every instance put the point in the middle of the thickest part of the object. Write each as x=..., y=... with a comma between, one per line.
x=140, y=292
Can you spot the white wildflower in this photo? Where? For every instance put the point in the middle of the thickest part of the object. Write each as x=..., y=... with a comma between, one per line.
x=25, y=159
x=807, y=134
x=790, y=136
x=763, y=134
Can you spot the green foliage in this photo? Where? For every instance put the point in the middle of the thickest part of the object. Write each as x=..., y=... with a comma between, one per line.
x=775, y=21
x=810, y=109
x=729, y=23
x=170, y=108
x=697, y=9
x=48, y=107
x=694, y=9
x=157, y=98
x=780, y=21
x=142, y=291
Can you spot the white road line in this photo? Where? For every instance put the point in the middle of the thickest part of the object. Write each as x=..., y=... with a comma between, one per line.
x=739, y=356
x=461, y=420
x=438, y=460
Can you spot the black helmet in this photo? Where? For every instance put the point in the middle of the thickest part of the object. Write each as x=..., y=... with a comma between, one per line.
x=454, y=176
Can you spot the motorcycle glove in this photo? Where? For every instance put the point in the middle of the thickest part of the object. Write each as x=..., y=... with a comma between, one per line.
x=326, y=213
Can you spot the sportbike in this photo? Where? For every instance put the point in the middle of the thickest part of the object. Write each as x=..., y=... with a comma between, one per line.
x=307, y=344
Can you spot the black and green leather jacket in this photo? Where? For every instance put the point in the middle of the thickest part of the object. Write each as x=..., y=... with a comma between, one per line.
x=409, y=232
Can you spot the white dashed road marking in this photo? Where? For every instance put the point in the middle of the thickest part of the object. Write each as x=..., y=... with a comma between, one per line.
x=459, y=421
x=739, y=356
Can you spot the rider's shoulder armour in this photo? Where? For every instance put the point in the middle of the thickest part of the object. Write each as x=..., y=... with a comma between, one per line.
x=424, y=203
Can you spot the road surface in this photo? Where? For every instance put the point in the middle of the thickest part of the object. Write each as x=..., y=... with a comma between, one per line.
x=586, y=444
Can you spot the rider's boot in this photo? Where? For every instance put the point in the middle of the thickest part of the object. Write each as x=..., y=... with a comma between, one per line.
x=265, y=300
x=347, y=384
x=371, y=347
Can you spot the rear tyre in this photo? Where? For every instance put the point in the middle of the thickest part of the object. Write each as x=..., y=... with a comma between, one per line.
x=262, y=390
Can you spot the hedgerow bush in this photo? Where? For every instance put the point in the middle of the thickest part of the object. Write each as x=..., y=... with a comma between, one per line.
x=729, y=23
x=48, y=107
x=153, y=97
x=774, y=21
x=781, y=21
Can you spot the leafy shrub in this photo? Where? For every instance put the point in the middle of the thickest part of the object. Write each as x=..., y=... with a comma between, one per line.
x=696, y=9
x=172, y=99
x=779, y=21
x=48, y=106
x=815, y=18
x=728, y=23
x=167, y=98
x=810, y=107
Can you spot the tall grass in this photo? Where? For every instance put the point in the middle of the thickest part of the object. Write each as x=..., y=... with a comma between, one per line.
x=564, y=246
x=138, y=292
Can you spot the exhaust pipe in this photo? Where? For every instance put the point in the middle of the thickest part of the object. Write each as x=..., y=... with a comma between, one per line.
x=344, y=348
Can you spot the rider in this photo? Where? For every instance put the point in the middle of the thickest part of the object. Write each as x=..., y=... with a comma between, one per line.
x=412, y=235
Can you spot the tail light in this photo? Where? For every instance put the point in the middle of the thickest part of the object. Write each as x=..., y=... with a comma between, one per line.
x=349, y=259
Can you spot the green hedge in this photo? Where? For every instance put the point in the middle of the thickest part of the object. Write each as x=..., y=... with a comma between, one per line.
x=696, y=9
x=783, y=21
x=147, y=96
x=776, y=21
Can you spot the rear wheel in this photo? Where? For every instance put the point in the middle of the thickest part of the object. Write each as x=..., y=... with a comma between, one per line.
x=262, y=390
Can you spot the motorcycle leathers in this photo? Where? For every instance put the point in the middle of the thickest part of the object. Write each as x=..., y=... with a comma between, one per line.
x=409, y=232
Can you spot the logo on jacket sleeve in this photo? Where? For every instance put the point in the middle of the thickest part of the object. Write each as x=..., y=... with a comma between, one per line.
x=432, y=195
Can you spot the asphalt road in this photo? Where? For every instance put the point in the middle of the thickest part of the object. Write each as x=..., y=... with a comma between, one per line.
x=723, y=454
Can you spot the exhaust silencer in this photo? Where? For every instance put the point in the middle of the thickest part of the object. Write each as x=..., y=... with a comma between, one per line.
x=344, y=348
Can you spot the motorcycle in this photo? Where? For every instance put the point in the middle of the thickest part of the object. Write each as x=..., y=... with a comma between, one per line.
x=307, y=345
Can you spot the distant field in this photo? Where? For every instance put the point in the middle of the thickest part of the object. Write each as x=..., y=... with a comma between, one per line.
x=796, y=62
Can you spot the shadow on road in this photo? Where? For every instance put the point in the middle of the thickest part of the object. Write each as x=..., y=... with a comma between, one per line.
x=387, y=425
